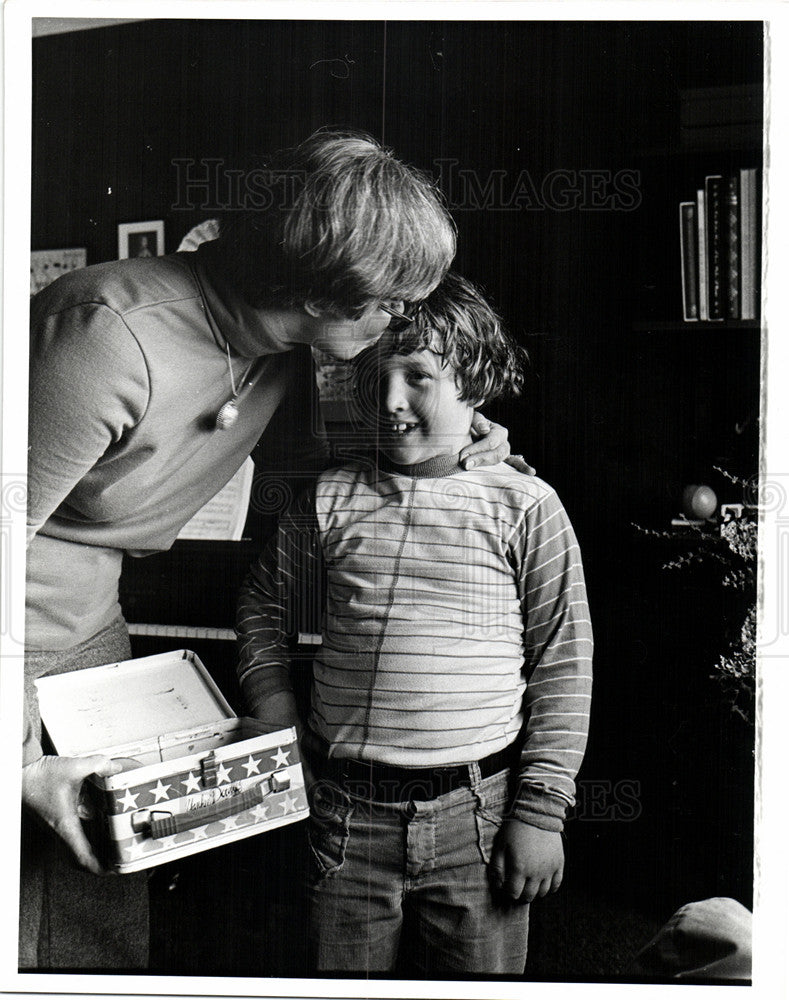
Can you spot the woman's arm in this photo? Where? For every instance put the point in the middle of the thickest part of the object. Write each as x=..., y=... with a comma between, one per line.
x=88, y=385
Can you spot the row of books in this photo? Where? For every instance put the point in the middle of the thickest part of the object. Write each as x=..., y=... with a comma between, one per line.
x=719, y=241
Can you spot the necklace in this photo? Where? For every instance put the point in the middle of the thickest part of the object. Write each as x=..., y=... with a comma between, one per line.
x=228, y=415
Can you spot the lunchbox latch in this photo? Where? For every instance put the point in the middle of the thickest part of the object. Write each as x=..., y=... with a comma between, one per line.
x=208, y=771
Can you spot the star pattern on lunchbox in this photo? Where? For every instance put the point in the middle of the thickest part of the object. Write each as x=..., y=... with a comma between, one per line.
x=252, y=765
x=129, y=800
x=160, y=792
x=223, y=774
x=141, y=846
x=165, y=843
x=192, y=783
x=135, y=850
x=288, y=804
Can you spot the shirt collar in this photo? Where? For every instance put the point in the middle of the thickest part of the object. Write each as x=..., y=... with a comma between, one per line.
x=431, y=468
x=232, y=319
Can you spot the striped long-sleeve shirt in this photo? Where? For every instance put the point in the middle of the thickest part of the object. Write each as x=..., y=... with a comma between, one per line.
x=455, y=621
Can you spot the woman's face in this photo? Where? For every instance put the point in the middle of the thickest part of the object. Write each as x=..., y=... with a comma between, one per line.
x=343, y=339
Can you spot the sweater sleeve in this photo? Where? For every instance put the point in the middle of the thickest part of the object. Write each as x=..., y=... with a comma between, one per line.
x=88, y=386
x=558, y=663
x=281, y=597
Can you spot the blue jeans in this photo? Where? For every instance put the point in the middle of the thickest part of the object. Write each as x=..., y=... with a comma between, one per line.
x=406, y=882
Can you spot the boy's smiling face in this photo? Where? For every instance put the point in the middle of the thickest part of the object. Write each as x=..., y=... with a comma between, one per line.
x=420, y=413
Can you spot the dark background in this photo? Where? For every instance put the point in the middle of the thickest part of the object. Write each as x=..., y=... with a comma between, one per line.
x=625, y=406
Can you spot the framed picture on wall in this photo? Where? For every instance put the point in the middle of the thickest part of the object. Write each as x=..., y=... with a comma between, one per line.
x=46, y=265
x=140, y=239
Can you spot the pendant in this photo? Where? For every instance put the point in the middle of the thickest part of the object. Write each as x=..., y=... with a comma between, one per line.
x=227, y=416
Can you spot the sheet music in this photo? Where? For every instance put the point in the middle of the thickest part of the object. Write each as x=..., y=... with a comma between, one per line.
x=224, y=516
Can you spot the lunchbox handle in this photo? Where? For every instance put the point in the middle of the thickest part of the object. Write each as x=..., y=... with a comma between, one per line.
x=170, y=824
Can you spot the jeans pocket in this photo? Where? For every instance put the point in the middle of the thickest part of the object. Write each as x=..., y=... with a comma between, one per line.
x=329, y=827
x=493, y=796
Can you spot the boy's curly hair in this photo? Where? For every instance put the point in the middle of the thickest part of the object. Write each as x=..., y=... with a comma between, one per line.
x=456, y=322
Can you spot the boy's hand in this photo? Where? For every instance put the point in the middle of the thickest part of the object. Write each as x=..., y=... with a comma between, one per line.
x=526, y=861
x=280, y=712
x=490, y=447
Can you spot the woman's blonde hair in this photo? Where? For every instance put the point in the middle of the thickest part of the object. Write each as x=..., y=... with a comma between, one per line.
x=341, y=223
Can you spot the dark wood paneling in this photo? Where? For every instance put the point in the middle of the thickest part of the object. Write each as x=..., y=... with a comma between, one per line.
x=616, y=416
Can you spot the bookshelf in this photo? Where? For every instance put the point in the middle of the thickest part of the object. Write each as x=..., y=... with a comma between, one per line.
x=706, y=274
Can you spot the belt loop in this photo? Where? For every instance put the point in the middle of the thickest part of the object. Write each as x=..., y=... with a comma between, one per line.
x=474, y=774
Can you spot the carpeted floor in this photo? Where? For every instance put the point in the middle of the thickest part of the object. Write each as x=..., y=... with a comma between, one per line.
x=220, y=914
x=574, y=936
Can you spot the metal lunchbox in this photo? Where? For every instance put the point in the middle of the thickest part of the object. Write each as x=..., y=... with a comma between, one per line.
x=195, y=775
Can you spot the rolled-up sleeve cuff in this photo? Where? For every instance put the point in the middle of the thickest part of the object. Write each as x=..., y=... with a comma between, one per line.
x=262, y=684
x=539, y=809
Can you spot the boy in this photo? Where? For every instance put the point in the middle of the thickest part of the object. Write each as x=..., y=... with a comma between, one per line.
x=451, y=690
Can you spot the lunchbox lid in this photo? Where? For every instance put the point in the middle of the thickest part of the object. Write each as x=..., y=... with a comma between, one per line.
x=96, y=709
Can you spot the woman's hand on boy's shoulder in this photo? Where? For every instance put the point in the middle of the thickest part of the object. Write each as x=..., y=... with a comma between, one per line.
x=490, y=446
x=526, y=862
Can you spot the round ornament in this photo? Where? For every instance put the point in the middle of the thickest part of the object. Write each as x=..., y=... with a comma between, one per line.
x=227, y=416
x=699, y=501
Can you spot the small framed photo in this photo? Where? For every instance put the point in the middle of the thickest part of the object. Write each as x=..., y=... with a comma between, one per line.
x=46, y=265
x=140, y=239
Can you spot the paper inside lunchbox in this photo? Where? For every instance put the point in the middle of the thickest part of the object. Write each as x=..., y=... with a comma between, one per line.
x=93, y=710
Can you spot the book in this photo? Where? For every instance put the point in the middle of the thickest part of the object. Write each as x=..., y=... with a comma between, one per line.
x=689, y=256
x=713, y=195
x=701, y=218
x=749, y=241
x=732, y=246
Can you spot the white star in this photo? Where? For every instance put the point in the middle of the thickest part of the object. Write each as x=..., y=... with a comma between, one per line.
x=192, y=783
x=129, y=800
x=160, y=792
x=165, y=843
x=135, y=850
x=260, y=812
x=200, y=832
x=281, y=757
x=229, y=823
x=222, y=774
x=288, y=804
x=251, y=766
